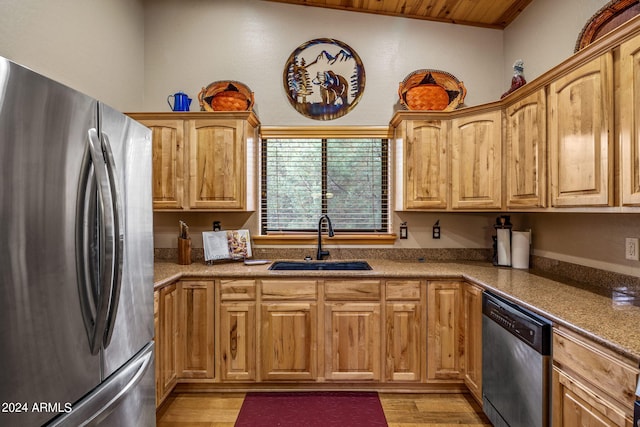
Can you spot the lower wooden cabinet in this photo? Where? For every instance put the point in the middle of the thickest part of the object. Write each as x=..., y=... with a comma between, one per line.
x=591, y=385
x=445, y=333
x=405, y=335
x=352, y=342
x=156, y=333
x=236, y=325
x=196, y=358
x=288, y=329
x=166, y=342
x=472, y=308
x=288, y=341
x=238, y=341
x=576, y=405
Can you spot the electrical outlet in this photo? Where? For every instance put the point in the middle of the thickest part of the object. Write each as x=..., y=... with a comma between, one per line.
x=631, y=248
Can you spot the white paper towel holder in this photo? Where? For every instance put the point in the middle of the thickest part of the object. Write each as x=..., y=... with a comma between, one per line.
x=502, y=241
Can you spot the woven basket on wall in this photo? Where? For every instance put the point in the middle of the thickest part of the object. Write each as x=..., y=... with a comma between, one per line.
x=226, y=95
x=431, y=90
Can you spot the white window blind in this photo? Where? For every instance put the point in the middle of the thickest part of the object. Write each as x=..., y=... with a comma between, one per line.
x=302, y=179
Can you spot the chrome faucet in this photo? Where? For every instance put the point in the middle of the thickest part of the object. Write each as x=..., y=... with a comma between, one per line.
x=321, y=254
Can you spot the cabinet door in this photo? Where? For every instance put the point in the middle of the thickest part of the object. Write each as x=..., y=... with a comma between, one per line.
x=425, y=165
x=196, y=330
x=288, y=341
x=444, y=329
x=156, y=336
x=352, y=342
x=476, y=171
x=526, y=144
x=472, y=331
x=216, y=164
x=403, y=339
x=630, y=122
x=575, y=405
x=166, y=354
x=581, y=134
x=168, y=163
x=237, y=341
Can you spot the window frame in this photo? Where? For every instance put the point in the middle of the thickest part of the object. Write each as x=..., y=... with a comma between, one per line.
x=329, y=132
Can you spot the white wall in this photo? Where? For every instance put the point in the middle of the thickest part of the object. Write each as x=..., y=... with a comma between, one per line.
x=96, y=47
x=191, y=43
x=545, y=34
x=122, y=50
x=594, y=240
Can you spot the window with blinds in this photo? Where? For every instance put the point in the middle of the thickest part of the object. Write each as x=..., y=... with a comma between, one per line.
x=305, y=178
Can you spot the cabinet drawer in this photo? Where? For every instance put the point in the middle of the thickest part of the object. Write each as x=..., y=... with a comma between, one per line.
x=366, y=290
x=237, y=290
x=598, y=368
x=402, y=290
x=289, y=290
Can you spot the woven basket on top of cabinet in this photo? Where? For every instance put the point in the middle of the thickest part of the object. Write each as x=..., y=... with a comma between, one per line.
x=226, y=95
x=431, y=90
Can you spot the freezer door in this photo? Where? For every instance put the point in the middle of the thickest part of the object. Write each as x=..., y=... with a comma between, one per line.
x=126, y=398
x=130, y=321
x=45, y=357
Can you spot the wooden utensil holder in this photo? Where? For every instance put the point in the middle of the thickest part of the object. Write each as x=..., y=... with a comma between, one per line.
x=184, y=251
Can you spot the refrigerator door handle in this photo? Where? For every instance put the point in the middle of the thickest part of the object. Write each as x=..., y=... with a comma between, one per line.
x=118, y=233
x=107, y=246
x=87, y=261
x=93, y=409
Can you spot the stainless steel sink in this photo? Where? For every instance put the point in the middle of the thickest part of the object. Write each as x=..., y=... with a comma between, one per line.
x=320, y=265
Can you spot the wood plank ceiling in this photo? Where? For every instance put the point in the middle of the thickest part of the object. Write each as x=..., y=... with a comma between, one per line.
x=480, y=13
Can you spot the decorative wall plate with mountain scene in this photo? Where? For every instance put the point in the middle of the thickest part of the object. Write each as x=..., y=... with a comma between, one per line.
x=324, y=79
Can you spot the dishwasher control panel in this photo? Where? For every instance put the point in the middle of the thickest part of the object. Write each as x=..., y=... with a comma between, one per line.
x=529, y=327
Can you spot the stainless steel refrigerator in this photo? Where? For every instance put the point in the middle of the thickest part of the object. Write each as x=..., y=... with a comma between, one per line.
x=76, y=258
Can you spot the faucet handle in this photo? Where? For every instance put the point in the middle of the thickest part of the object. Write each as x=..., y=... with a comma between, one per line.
x=322, y=254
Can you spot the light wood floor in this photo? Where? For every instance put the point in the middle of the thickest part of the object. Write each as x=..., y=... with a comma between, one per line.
x=401, y=410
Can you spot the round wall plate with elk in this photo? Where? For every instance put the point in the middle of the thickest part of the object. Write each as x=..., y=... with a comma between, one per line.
x=324, y=79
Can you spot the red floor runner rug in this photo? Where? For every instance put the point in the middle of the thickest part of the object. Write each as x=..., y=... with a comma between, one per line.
x=311, y=409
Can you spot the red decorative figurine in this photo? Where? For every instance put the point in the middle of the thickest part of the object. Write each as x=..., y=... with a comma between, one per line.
x=518, y=79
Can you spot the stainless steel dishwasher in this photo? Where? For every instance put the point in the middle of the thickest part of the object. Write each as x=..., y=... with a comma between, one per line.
x=516, y=364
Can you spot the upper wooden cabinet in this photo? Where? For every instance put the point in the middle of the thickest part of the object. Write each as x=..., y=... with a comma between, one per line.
x=424, y=148
x=630, y=122
x=448, y=163
x=581, y=135
x=571, y=140
x=203, y=161
x=525, y=152
x=476, y=158
x=168, y=163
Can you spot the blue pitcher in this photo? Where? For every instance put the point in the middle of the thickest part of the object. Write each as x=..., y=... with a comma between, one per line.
x=181, y=101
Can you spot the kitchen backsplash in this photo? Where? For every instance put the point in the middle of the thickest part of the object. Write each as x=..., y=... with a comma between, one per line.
x=539, y=265
x=428, y=254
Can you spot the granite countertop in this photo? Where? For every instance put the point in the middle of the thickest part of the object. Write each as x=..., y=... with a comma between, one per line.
x=596, y=313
